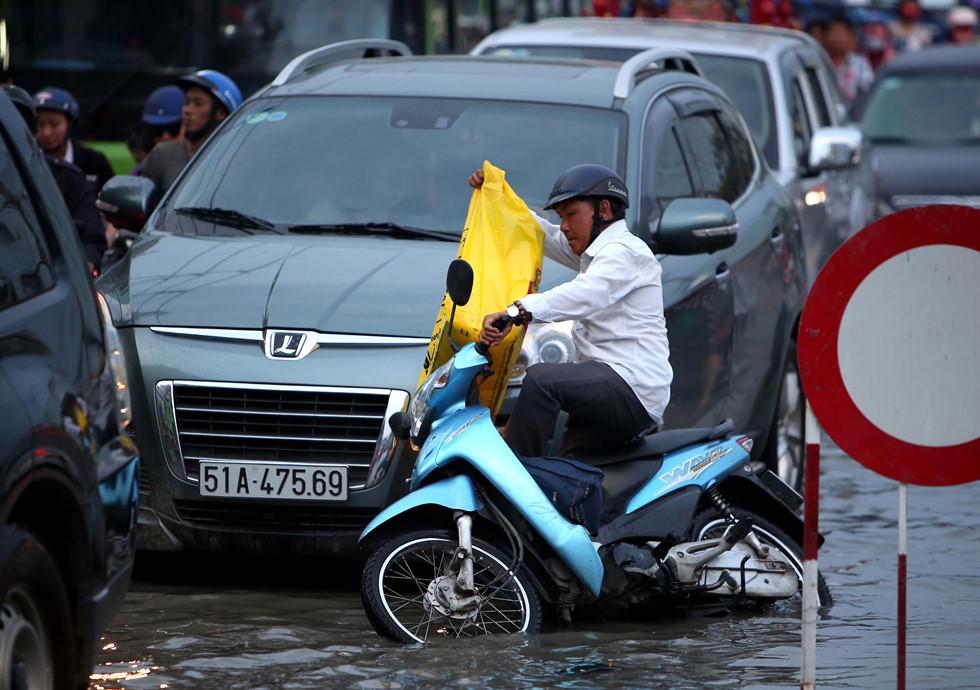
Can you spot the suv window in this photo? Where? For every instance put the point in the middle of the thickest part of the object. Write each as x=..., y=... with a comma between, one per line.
x=671, y=178
x=802, y=130
x=823, y=111
x=741, y=146
x=25, y=265
x=345, y=146
x=714, y=158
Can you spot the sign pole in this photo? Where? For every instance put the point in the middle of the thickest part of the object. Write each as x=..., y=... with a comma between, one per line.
x=903, y=547
x=896, y=297
x=808, y=671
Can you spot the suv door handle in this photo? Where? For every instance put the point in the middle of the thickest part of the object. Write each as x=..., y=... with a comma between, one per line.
x=722, y=272
x=777, y=238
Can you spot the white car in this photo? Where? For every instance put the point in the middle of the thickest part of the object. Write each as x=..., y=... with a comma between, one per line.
x=783, y=84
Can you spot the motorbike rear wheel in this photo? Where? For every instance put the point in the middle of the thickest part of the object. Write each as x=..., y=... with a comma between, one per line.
x=709, y=524
x=397, y=586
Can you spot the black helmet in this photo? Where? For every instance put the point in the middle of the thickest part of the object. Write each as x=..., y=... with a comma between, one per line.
x=588, y=180
x=23, y=100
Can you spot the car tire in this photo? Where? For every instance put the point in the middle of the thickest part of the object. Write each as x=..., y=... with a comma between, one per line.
x=784, y=453
x=36, y=640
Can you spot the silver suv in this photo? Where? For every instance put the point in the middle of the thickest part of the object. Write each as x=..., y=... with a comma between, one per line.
x=781, y=81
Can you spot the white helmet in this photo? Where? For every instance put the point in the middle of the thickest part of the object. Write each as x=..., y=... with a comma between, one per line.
x=961, y=16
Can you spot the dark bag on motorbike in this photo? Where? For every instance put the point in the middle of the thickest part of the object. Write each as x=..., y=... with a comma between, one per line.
x=574, y=487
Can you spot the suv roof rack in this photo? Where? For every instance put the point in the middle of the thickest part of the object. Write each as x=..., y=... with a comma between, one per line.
x=344, y=50
x=655, y=58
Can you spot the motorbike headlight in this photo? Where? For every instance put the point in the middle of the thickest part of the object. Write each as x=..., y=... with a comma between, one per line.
x=117, y=364
x=545, y=342
x=418, y=409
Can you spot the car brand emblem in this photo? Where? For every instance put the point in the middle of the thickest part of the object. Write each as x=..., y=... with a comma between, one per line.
x=288, y=344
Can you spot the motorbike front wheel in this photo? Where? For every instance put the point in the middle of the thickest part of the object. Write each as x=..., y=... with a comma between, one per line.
x=400, y=583
x=709, y=524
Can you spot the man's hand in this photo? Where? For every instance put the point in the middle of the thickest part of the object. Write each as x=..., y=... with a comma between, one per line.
x=489, y=335
x=476, y=179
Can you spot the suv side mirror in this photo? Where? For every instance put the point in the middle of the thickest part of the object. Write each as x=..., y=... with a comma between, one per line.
x=832, y=148
x=696, y=226
x=127, y=201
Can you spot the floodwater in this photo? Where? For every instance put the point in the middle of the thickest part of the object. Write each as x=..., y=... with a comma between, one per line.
x=194, y=622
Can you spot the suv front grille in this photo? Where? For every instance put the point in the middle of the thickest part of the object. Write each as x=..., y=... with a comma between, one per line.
x=268, y=424
x=272, y=518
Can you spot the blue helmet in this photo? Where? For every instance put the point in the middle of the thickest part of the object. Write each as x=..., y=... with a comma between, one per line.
x=215, y=83
x=59, y=100
x=164, y=105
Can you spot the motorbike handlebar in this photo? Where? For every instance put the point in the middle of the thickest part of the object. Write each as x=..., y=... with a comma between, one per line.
x=511, y=314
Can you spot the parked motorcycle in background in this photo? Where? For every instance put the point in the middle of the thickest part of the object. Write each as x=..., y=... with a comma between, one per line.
x=480, y=546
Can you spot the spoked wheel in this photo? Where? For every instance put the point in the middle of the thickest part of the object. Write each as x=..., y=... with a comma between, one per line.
x=409, y=592
x=784, y=451
x=709, y=524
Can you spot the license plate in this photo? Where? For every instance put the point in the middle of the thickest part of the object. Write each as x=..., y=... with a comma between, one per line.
x=257, y=480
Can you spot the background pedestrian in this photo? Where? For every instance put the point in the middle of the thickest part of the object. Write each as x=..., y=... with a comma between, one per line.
x=57, y=110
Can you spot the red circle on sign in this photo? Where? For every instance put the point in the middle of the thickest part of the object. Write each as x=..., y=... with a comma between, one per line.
x=820, y=324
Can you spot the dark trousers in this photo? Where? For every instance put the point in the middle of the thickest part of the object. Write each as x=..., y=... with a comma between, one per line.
x=603, y=410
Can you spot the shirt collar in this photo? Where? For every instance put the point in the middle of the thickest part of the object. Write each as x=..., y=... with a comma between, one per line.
x=70, y=153
x=612, y=231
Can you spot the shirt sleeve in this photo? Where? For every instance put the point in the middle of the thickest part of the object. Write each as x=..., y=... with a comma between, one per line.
x=613, y=274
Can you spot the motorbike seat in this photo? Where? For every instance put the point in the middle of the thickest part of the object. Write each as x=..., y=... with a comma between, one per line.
x=654, y=444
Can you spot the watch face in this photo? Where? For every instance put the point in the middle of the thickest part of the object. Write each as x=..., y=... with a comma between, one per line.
x=513, y=312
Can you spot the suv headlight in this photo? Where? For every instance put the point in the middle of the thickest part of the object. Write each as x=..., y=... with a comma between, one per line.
x=545, y=342
x=117, y=364
x=420, y=410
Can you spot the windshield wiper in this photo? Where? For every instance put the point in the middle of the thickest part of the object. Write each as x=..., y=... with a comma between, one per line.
x=228, y=217
x=390, y=228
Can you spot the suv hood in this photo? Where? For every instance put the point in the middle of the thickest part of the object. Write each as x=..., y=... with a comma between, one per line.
x=372, y=285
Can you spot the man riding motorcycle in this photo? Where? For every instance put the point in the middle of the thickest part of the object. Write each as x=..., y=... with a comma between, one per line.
x=621, y=383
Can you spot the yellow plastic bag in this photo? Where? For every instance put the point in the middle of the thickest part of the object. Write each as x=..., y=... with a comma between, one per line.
x=504, y=244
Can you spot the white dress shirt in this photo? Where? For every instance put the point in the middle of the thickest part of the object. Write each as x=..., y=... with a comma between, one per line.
x=617, y=304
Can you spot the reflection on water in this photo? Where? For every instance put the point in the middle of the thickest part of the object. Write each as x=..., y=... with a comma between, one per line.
x=236, y=623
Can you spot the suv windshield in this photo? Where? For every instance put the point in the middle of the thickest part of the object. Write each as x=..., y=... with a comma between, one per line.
x=743, y=80
x=343, y=161
x=924, y=108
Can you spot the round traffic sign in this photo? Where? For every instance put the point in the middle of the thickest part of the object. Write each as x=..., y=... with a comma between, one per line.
x=889, y=346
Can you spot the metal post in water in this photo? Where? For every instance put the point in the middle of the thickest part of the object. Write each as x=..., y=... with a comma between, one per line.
x=808, y=671
x=903, y=547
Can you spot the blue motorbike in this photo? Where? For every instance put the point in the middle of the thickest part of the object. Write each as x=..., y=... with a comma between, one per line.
x=479, y=547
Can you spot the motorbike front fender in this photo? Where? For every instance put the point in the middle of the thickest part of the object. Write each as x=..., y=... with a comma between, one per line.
x=454, y=493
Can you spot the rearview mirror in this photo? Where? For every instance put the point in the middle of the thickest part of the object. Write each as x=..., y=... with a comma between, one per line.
x=696, y=226
x=459, y=282
x=127, y=201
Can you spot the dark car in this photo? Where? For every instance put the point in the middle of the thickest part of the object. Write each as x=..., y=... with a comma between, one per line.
x=923, y=115
x=323, y=214
x=68, y=476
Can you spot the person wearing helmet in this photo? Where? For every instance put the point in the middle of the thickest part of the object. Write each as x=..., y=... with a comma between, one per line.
x=75, y=189
x=908, y=33
x=620, y=384
x=209, y=97
x=161, y=121
x=57, y=110
x=962, y=25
